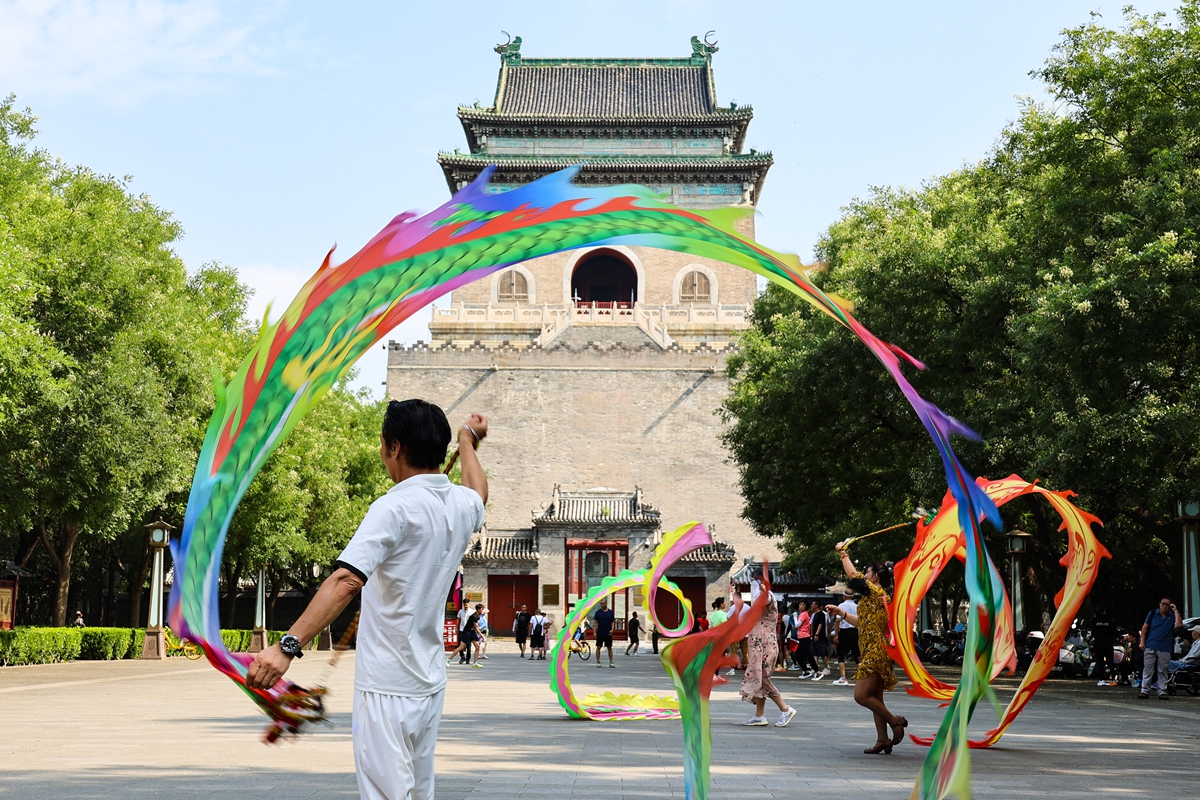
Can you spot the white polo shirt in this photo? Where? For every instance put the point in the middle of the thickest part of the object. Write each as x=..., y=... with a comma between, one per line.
x=850, y=607
x=409, y=546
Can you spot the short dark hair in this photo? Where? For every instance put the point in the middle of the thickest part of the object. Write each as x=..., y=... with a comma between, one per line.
x=421, y=430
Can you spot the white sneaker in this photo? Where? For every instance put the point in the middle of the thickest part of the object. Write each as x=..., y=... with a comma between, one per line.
x=825, y=672
x=818, y=676
x=730, y=673
x=806, y=675
x=1102, y=683
x=785, y=718
x=755, y=722
x=841, y=682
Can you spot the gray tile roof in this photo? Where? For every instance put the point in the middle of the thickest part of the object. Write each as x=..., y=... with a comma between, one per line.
x=718, y=552
x=606, y=91
x=501, y=548
x=597, y=507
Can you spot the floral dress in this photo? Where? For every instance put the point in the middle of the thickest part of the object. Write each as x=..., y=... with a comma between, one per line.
x=764, y=652
x=872, y=633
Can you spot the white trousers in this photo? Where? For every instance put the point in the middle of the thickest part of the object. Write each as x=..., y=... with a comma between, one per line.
x=394, y=740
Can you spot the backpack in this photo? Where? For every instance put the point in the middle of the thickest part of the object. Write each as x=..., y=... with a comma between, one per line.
x=537, y=629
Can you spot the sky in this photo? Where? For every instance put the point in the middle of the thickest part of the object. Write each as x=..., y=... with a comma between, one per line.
x=275, y=130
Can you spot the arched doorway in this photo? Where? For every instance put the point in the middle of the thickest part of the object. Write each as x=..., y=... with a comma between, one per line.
x=604, y=278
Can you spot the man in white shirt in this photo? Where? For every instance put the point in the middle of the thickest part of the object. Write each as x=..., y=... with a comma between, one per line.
x=409, y=546
x=847, y=643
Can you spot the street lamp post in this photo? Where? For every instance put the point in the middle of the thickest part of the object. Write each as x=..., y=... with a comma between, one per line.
x=160, y=536
x=1017, y=544
x=258, y=637
x=1188, y=512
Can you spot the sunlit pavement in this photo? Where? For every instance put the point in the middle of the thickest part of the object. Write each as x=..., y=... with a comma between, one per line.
x=178, y=729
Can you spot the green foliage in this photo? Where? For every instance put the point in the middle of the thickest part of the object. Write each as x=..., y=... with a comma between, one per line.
x=137, y=640
x=106, y=378
x=39, y=645
x=106, y=644
x=1053, y=291
x=238, y=640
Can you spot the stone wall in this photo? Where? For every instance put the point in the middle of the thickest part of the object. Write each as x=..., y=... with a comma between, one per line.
x=585, y=416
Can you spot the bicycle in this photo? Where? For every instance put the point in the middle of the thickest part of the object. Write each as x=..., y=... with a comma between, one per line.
x=581, y=648
x=178, y=646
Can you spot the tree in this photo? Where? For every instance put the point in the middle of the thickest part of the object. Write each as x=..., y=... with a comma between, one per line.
x=1053, y=291
x=108, y=378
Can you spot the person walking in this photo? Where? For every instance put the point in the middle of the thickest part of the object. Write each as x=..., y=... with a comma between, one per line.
x=521, y=627
x=804, y=655
x=1102, y=647
x=464, y=647
x=818, y=623
x=874, y=675
x=399, y=674
x=483, y=632
x=472, y=634
x=718, y=616
x=763, y=646
x=468, y=638
x=635, y=631
x=603, y=620
x=1158, y=633
x=847, y=634
x=537, y=636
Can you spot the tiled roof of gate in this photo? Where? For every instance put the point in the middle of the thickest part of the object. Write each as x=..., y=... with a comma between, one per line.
x=598, y=507
x=718, y=551
x=607, y=89
x=500, y=548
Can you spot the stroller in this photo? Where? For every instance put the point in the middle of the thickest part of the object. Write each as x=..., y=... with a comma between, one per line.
x=1187, y=676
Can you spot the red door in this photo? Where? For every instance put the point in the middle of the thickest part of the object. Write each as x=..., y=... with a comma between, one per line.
x=506, y=593
x=669, y=610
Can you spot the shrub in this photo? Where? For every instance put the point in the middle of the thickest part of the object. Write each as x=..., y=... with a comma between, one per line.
x=106, y=644
x=39, y=645
x=137, y=638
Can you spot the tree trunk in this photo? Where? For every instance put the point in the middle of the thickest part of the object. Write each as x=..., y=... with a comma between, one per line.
x=60, y=553
x=233, y=576
x=276, y=586
x=137, y=582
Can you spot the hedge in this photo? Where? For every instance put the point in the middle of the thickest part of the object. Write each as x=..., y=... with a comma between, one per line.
x=28, y=645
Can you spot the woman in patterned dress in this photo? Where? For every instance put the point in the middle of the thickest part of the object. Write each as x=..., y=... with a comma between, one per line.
x=874, y=675
x=763, y=652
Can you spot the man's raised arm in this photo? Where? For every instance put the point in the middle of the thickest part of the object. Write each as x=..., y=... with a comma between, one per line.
x=469, y=437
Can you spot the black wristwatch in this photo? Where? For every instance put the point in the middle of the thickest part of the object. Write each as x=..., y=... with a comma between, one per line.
x=290, y=646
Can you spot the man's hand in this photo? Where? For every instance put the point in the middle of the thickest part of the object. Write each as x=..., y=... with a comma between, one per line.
x=475, y=426
x=267, y=668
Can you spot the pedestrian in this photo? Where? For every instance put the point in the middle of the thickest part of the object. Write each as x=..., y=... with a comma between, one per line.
x=718, y=616
x=757, y=687
x=537, y=636
x=818, y=622
x=521, y=627
x=603, y=620
x=804, y=658
x=1102, y=647
x=483, y=632
x=464, y=648
x=399, y=674
x=547, y=634
x=847, y=634
x=78, y=623
x=1158, y=633
x=471, y=636
x=635, y=632
x=874, y=675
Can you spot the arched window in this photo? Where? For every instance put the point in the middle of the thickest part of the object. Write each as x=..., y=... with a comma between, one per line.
x=695, y=288
x=512, y=287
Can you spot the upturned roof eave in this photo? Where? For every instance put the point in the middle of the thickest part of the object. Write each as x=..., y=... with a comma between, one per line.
x=743, y=114
x=485, y=159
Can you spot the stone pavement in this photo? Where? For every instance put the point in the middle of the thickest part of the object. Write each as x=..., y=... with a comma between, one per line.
x=178, y=729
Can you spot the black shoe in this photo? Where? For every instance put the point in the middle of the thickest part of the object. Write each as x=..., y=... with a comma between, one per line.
x=1163, y=697
x=1143, y=697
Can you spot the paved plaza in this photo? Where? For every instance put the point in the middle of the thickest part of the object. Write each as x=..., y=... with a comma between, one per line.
x=179, y=729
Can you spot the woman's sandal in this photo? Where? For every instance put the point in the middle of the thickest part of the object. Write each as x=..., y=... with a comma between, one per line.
x=881, y=746
x=897, y=738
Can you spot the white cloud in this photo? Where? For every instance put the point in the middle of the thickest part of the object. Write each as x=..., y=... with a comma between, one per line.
x=121, y=51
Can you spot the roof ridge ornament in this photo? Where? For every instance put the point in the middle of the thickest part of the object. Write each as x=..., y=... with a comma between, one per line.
x=510, y=51
x=702, y=52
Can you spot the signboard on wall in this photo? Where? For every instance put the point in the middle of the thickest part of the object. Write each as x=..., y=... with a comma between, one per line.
x=550, y=594
x=6, y=605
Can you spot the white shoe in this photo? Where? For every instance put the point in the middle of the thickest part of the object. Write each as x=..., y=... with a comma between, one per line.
x=730, y=673
x=825, y=672
x=755, y=722
x=818, y=676
x=598, y=664
x=806, y=675
x=1102, y=683
x=841, y=682
x=785, y=718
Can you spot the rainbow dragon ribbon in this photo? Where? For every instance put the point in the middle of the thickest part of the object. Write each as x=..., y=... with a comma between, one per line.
x=343, y=310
